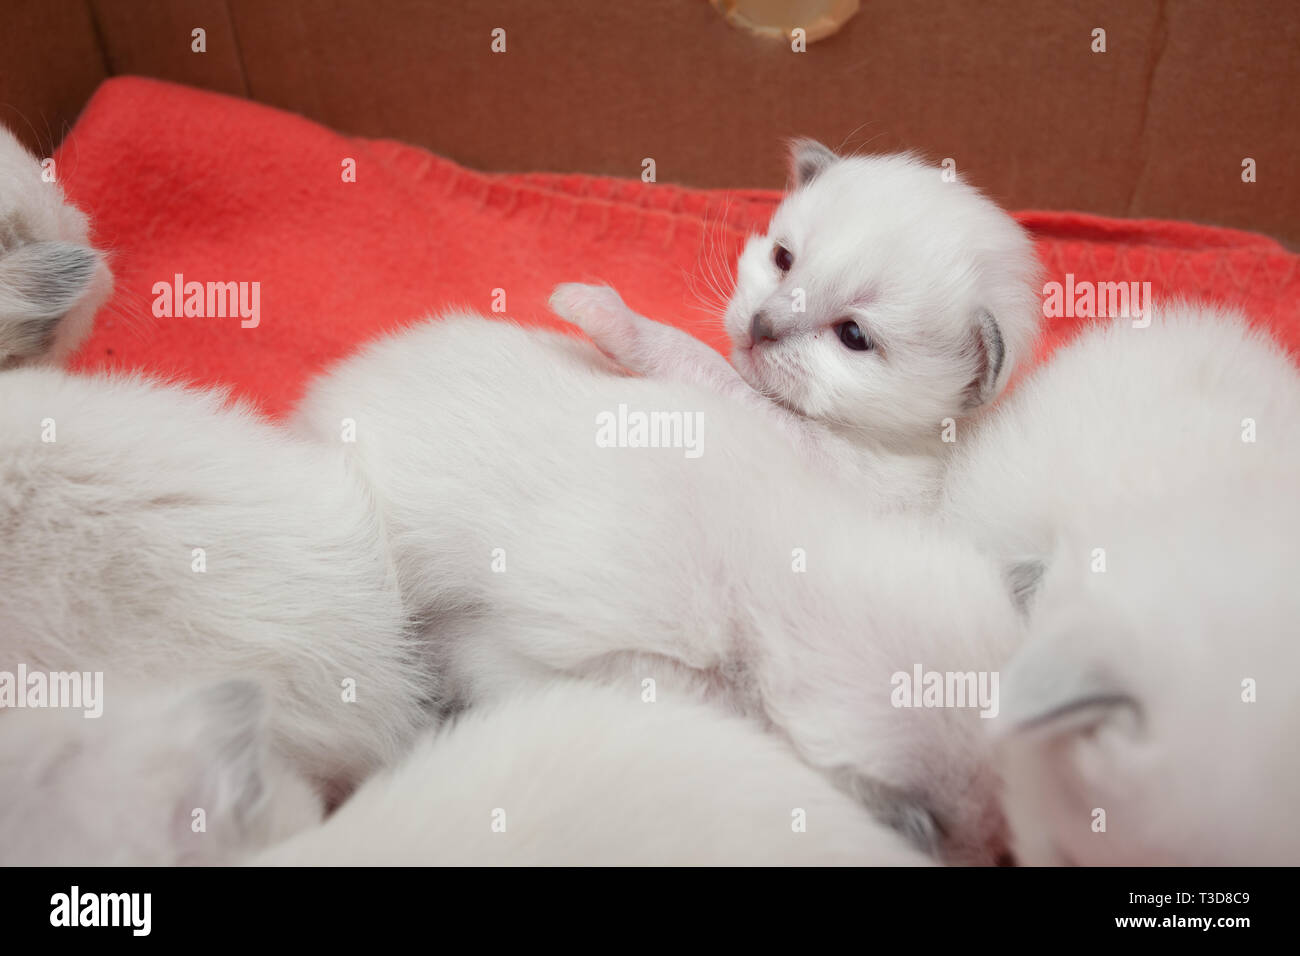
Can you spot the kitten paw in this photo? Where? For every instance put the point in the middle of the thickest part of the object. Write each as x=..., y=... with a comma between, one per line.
x=600, y=312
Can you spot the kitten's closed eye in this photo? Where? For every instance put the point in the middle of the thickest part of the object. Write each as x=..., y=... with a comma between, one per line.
x=853, y=337
x=783, y=257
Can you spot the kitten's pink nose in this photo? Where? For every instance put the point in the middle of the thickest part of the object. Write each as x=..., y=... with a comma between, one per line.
x=760, y=329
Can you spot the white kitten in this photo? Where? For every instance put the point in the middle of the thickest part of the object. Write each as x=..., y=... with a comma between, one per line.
x=1140, y=490
x=157, y=533
x=1162, y=694
x=51, y=281
x=527, y=550
x=882, y=303
x=123, y=789
x=1126, y=414
x=576, y=774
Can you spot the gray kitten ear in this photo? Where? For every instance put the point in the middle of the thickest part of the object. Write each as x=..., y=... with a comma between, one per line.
x=1022, y=579
x=808, y=158
x=896, y=809
x=993, y=357
x=40, y=282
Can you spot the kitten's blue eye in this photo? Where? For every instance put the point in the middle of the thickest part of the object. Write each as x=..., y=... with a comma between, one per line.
x=783, y=257
x=853, y=337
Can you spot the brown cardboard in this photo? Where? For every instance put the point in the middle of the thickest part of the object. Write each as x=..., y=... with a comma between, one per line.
x=1157, y=126
x=50, y=63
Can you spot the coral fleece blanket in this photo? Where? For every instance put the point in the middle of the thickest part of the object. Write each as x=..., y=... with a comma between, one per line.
x=215, y=189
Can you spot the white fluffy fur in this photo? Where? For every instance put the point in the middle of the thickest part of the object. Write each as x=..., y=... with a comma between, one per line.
x=1128, y=697
x=108, y=484
x=587, y=775
x=939, y=278
x=51, y=280
x=121, y=789
x=1129, y=694
x=97, y=531
x=642, y=563
x=1127, y=414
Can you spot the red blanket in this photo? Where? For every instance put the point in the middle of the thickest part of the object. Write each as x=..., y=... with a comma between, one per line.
x=215, y=189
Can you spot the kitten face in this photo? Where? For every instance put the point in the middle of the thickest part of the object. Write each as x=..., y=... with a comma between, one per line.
x=123, y=789
x=867, y=302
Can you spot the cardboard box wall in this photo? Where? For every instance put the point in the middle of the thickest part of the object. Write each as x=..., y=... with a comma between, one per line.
x=1011, y=90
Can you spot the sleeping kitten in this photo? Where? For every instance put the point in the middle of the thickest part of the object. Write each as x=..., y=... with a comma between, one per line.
x=1140, y=490
x=883, y=305
x=572, y=774
x=581, y=775
x=160, y=778
x=1151, y=717
x=157, y=533
x=1126, y=414
x=530, y=546
x=153, y=532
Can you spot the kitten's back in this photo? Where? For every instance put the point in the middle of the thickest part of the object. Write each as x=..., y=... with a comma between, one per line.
x=154, y=532
x=577, y=774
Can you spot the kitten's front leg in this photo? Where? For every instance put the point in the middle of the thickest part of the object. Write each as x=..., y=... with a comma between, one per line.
x=647, y=347
x=660, y=351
